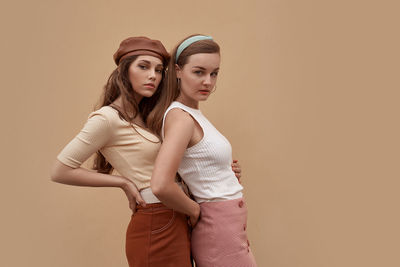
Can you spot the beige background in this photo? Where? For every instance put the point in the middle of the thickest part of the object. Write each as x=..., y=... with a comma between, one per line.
x=308, y=96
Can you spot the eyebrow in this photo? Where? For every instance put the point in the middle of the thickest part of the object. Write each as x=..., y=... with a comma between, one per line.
x=148, y=62
x=202, y=68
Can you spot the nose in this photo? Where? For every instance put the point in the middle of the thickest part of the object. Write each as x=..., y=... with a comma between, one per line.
x=207, y=80
x=152, y=74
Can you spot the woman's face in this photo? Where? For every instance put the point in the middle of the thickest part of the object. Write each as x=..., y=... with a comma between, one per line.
x=198, y=77
x=145, y=74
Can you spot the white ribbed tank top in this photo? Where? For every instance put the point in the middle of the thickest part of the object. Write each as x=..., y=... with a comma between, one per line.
x=206, y=166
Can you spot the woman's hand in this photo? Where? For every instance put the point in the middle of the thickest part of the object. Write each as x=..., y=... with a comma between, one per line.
x=194, y=218
x=236, y=169
x=133, y=195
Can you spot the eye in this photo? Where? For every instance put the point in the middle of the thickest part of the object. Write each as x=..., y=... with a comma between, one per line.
x=214, y=74
x=143, y=67
x=198, y=72
x=159, y=70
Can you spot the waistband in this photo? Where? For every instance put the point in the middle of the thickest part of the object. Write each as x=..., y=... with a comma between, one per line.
x=152, y=207
x=148, y=196
x=220, y=198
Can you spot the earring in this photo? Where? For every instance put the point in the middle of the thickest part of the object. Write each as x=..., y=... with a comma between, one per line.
x=215, y=89
x=178, y=80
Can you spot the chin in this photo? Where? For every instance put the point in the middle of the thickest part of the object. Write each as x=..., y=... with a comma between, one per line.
x=203, y=98
x=148, y=94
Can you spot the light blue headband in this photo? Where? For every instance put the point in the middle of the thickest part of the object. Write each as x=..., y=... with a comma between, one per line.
x=188, y=42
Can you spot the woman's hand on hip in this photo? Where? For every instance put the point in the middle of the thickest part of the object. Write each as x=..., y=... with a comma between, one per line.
x=195, y=216
x=133, y=195
x=237, y=169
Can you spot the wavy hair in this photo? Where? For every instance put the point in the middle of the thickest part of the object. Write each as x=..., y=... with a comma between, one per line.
x=118, y=84
x=171, y=90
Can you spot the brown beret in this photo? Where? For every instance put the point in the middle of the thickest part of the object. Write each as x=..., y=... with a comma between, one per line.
x=141, y=46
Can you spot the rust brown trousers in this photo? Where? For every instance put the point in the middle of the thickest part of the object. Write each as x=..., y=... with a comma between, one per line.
x=158, y=236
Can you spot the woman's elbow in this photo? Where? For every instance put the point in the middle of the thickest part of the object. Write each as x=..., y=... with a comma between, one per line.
x=158, y=188
x=55, y=176
x=57, y=172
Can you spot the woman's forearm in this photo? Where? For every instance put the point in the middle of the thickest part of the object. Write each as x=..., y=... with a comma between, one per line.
x=82, y=177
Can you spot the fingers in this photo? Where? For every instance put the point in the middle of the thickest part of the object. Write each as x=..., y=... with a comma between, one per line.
x=193, y=221
x=235, y=165
x=140, y=201
x=237, y=169
x=238, y=175
x=137, y=198
x=133, y=195
x=132, y=206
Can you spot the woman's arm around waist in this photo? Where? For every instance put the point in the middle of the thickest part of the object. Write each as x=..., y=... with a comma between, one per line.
x=178, y=131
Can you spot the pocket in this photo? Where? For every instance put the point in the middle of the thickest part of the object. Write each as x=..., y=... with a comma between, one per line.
x=162, y=220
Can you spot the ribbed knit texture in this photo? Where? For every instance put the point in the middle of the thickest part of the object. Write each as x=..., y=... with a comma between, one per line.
x=206, y=166
x=129, y=152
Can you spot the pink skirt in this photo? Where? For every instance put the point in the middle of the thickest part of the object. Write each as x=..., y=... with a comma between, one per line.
x=219, y=239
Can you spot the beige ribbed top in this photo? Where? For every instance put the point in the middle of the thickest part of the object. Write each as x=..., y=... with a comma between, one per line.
x=129, y=152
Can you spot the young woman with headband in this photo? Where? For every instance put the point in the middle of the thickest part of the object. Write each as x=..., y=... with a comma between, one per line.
x=122, y=134
x=202, y=156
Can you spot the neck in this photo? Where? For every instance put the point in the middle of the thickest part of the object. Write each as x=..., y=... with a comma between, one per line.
x=137, y=97
x=128, y=109
x=188, y=102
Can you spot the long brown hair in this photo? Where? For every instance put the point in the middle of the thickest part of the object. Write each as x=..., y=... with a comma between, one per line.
x=171, y=90
x=117, y=85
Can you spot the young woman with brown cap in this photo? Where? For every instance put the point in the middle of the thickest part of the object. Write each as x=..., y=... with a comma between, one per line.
x=202, y=156
x=121, y=132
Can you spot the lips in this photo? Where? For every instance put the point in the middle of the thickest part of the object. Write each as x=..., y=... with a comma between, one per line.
x=204, y=91
x=150, y=85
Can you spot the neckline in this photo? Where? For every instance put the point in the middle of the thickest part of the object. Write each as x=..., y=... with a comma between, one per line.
x=132, y=123
x=193, y=109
